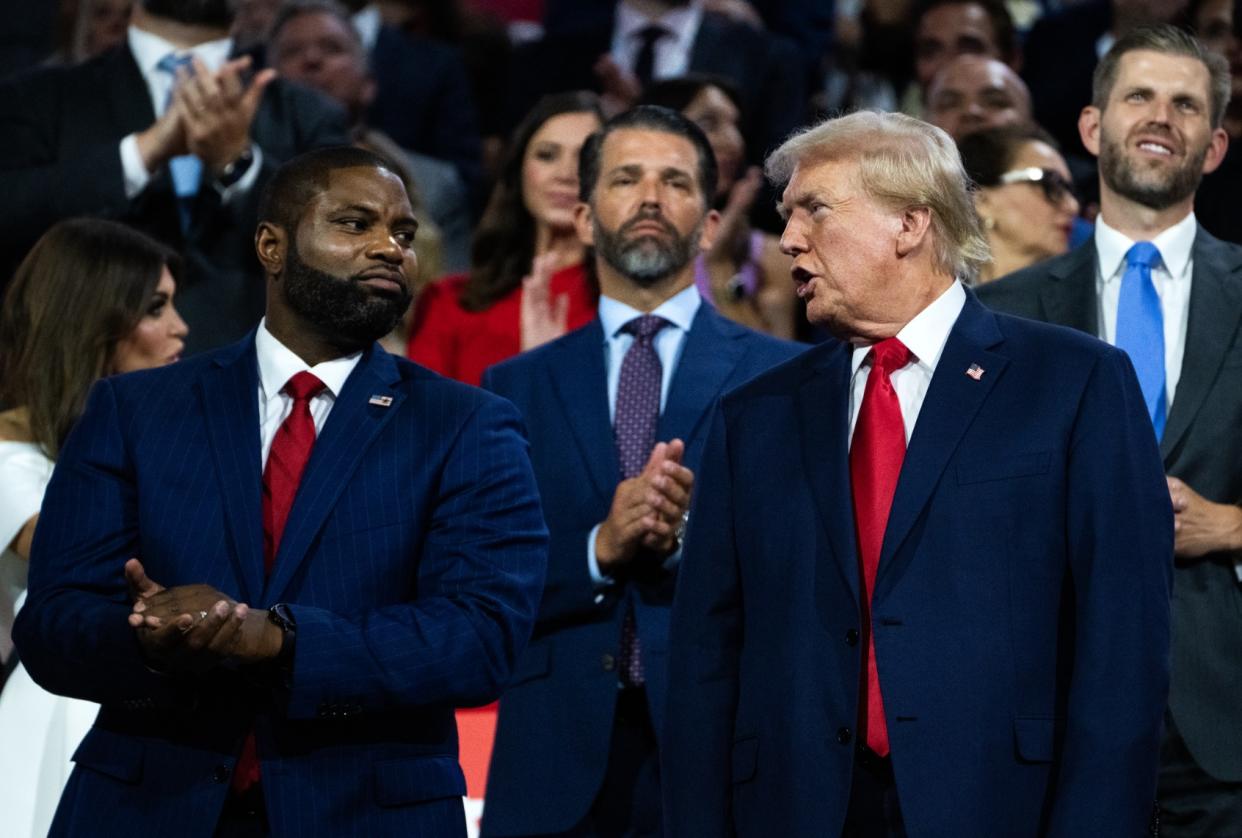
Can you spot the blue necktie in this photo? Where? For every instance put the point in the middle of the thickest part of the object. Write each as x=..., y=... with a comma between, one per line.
x=1140, y=329
x=186, y=170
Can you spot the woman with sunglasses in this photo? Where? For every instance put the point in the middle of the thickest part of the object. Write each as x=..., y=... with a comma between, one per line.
x=1024, y=197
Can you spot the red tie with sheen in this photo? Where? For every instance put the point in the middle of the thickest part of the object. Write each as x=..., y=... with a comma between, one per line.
x=291, y=449
x=876, y=454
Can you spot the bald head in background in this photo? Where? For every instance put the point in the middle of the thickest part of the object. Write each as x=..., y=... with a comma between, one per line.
x=972, y=92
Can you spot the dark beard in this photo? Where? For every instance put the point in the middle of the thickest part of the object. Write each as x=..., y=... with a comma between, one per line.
x=1123, y=178
x=217, y=13
x=346, y=314
x=646, y=260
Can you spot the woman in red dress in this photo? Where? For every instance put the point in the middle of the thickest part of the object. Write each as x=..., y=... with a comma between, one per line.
x=528, y=282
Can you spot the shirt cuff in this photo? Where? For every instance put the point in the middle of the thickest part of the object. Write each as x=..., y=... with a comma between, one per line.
x=228, y=194
x=674, y=559
x=1237, y=570
x=597, y=576
x=136, y=175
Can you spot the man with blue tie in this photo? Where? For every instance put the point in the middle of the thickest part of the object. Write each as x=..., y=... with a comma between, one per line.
x=617, y=413
x=1155, y=284
x=925, y=589
x=334, y=548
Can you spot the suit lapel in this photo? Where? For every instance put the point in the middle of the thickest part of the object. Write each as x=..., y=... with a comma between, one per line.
x=1215, y=311
x=581, y=385
x=823, y=406
x=1069, y=299
x=707, y=357
x=352, y=426
x=948, y=409
x=228, y=390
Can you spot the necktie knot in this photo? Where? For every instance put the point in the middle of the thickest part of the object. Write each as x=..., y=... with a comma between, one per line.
x=174, y=61
x=1143, y=254
x=889, y=355
x=304, y=386
x=645, y=328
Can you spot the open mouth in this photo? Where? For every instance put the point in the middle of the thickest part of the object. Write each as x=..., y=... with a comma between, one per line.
x=1159, y=148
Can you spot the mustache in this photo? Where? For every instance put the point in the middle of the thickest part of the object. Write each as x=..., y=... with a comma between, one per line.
x=648, y=217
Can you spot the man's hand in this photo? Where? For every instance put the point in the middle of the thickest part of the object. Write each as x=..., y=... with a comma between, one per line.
x=194, y=628
x=620, y=88
x=163, y=141
x=1201, y=526
x=543, y=318
x=218, y=108
x=646, y=509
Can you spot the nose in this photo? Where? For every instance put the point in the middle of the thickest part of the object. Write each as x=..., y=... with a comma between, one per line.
x=793, y=239
x=385, y=246
x=177, y=328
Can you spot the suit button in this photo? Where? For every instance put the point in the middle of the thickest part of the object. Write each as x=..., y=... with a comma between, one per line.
x=844, y=736
x=220, y=774
x=851, y=637
x=608, y=662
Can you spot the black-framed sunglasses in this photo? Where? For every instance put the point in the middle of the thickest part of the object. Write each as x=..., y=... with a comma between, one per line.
x=1054, y=186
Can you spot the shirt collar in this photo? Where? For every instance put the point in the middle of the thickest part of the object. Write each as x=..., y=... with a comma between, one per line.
x=682, y=22
x=1174, y=244
x=149, y=49
x=926, y=334
x=678, y=309
x=367, y=23
x=278, y=363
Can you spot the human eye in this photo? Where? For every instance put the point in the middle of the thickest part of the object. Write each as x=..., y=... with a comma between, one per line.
x=546, y=153
x=157, y=305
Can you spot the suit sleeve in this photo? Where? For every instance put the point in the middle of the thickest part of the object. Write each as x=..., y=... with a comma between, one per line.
x=1120, y=539
x=480, y=574
x=72, y=632
x=705, y=646
x=41, y=187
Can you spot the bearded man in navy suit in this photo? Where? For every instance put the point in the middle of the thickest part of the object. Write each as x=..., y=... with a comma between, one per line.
x=335, y=548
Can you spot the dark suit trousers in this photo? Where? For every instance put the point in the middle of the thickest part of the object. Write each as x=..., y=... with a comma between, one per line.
x=874, y=810
x=1193, y=804
x=628, y=804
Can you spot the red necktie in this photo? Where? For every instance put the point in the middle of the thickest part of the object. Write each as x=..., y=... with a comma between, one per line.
x=291, y=449
x=876, y=454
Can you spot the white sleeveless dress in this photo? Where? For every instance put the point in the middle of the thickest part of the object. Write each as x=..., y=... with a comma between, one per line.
x=38, y=731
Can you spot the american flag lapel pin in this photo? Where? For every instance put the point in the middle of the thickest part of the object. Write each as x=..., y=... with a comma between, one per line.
x=382, y=401
x=975, y=371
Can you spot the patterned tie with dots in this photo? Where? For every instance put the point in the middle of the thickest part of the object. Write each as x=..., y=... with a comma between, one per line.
x=637, y=414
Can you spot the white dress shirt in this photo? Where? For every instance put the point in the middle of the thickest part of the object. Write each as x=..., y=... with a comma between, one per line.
x=679, y=310
x=277, y=364
x=1171, y=277
x=925, y=337
x=149, y=50
x=672, y=52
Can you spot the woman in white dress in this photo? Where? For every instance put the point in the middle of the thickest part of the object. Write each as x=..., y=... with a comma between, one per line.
x=92, y=298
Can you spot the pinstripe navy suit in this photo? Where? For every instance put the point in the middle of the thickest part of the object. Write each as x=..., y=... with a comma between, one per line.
x=413, y=560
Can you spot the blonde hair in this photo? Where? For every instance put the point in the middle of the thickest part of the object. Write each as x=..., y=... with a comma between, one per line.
x=902, y=163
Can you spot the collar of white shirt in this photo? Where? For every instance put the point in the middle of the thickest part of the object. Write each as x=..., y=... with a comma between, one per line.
x=1174, y=244
x=367, y=23
x=926, y=334
x=682, y=23
x=678, y=309
x=149, y=50
x=278, y=363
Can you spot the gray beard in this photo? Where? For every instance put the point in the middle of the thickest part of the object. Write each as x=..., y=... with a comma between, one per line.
x=646, y=260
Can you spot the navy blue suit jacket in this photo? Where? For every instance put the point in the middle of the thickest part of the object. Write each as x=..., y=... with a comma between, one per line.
x=1021, y=608
x=556, y=716
x=412, y=560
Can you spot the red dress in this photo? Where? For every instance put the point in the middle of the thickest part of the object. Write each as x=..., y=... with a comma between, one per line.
x=461, y=344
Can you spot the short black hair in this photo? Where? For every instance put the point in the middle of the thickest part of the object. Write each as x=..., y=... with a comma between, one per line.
x=299, y=181
x=1003, y=29
x=651, y=118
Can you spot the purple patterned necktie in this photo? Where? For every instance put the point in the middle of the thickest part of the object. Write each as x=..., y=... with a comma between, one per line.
x=638, y=412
